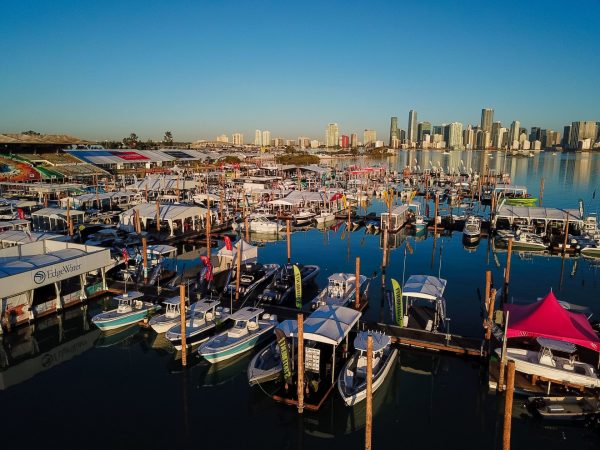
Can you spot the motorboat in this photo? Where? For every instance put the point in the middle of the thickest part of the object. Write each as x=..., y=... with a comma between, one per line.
x=247, y=332
x=545, y=364
x=419, y=224
x=352, y=380
x=303, y=218
x=252, y=275
x=525, y=240
x=472, y=229
x=265, y=365
x=325, y=217
x=282, y=287
x=203, y=318
x=372, y=226
x=162, y=322
x=340, y=290
x=261, y=224
x=565, y=408
x=423, y=303
x=130, y=310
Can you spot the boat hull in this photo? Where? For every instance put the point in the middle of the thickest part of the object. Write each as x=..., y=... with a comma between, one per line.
x=245, y=345
x=121, y=321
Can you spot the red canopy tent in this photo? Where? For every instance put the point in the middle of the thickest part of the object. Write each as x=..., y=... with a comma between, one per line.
x=547, y=318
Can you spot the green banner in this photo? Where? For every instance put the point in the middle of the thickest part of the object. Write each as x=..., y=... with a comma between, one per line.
x=298, y=286
x=284, y=352
x=398, y=306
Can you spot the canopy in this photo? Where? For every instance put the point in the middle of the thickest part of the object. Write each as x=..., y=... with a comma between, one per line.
x=249, y=251
x=247, y=313
x=380, y=341
x=547, y=318
x=204, y=305
x=424, y=286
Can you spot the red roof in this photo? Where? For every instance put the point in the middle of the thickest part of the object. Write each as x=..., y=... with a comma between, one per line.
x=547, y=318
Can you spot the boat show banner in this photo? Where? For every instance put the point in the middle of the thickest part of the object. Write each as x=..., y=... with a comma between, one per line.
x=298, y=286
x=398, y=307
x=284, y=352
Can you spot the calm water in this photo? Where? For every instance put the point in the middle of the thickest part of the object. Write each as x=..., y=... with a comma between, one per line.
x=63, y=384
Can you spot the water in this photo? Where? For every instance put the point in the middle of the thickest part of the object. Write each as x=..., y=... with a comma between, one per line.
x=65, y=385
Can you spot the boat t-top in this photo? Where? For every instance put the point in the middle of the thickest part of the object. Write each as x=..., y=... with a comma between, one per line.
x=340, y=290
x=424, y=303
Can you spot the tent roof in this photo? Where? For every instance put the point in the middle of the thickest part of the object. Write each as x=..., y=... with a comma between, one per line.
x=424, y=286
x=247, y=248
x=167, y=211
x=547, y=318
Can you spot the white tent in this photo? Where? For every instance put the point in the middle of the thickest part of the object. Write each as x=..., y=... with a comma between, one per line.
x=225, y=258
x=174, y=215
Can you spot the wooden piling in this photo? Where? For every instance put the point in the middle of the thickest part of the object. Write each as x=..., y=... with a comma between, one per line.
x=237, y=272
x=369, y=399
x=507, y=270
x=247, y=228
x=564, y=249
x=288, y=236
x=492, y=304
x=221, y=199
x=145, y=257
x=69, y=220
x=182, y=315
x=508, y=403
x=541, y=192
x=300, y=367
x=357, y=296
x=435, y=218
x=208, y=227
x=488, y=285
x=157, y=215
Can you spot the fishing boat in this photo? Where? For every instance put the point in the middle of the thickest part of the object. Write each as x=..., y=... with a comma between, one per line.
x=545, y=364
x=162, y=322
x=303, y=218
x=352, y=380
x=282, y=288
x=565, y=408
x=340, y=290
x=472, y=229
x=265, y=365
x=252, y=275
x=525, y=240
x=247, y=332
x=424, y=305
x=131, y=309
x=203, y=318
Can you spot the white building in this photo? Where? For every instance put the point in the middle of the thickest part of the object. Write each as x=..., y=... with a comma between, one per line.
x=237, y=139
x=455, y=135
x=258, y=138
x=332, y=135
x=266, y=138
x=223, y=138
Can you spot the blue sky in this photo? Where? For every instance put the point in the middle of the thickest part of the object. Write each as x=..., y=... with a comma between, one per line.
x=103, y=69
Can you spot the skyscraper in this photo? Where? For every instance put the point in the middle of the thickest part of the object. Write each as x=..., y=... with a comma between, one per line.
x=580, y=131
x=258, y=137
x=487, y=117
x=266, y=138
x=566, y=136
x=513, y=135
x=412, y=126
x=535, y=134
x=354, y=140
x=332, y=135
x=455, y=135
x=237, y=139
x=422, y=129
x=369, y=137
x=393, y=130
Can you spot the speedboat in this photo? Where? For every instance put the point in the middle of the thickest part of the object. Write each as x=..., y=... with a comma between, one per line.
x=352, y=380
x=265, y=365
x=303, y=218
x=162, y=322
x=262, y=224
x=203, y=318
x=472, y=229
x=247, y=332
x=557, y=368
x=252, y=275
x=324, y=217
x=131, y=309
x=283, y=285
x=419, y=224
x=340, y=290
x=565, y=408
x=525, y=240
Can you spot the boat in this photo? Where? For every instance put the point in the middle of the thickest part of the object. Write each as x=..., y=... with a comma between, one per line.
x=325, y=217
x=252, y=275
x=544, y=364
x=303, y=218
x=565, y=408
x=161, y=323
x=340, y=290
x=265, y=365
x=262, y=224
x=282, y=288
x=472, y=229
x=525, y=240
x=372, y=226
x=203, y=318
x=514, y=195
x=419, y=224
x=247, y=332
x=424, y=305
x=352, y=382
x=131, y=309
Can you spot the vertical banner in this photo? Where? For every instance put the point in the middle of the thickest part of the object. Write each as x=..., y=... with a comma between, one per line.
x=398, y=306
x=284, y=352
x=298, y=286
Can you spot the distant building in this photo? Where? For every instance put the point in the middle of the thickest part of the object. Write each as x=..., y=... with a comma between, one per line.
x=393, y=130
x=354, y=140
x=468, y=138
x=369, y=137
x=566, y=136
x=303, y=142
x=513, y=134
x=500, y=138
x=237, y=139
x=580, y=131
x=412, y=127
x=223, y=138
x=314, y=144
x=345, y=141
x=535, y=134
x=279, y=142
x=487, y=117
x=266, y=138
x=332, y=135
x=258, y=138
x=422, y=129
x=496, y=126
x=455, y=135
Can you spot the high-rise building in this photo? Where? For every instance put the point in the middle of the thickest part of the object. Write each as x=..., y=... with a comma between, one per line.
x=422, y=129
x=354, y=140
x=499, y=139
x=535, y=134
x=455, y=136
x=369, y=137
x=581, y=131
x=393, y=130
x=266, y=138
x=487, y=117
x=437, y=129
x=303, y=142
x=345, y=141
x=469, y=138
x=223, y=138
x=258, y=138
x=332, y=135
x=237, y=139
x=401, y=135
x=513, y=135
x=412, y=127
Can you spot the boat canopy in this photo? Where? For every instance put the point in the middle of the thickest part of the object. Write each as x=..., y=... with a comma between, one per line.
x=329, y=324
x=249, y=251
x=424, y=286
x=204, y=305
x=380, y=341
x=176, y=300
x=557, y=346
x=131, y=295
x=247, y=313
x=342, y=277
x=162, y=249
x=548, y=319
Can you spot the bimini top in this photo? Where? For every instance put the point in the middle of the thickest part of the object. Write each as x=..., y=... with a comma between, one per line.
x=380, y=341
x=247, y=313
x=162, y=249
x=328, y=324
x=131, y=295
x=557, y=346
x=204, y=305
x=176, y=300
x=342, y=277
x=424, y=286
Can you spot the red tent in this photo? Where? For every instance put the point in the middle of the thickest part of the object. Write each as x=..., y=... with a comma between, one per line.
x=547, y=318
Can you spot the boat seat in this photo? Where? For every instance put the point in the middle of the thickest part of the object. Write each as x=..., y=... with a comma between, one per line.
x=209, y=315
x=547, y=360
x=252, y=326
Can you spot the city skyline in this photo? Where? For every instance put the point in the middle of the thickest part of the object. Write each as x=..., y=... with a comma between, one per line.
x=147, y=68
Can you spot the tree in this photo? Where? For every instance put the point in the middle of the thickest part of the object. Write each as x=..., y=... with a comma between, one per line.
x=168, y=138
x=131, y=141
x=31, y=133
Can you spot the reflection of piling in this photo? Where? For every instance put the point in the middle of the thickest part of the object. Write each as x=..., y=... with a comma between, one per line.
x=488, y=332
x=508, y=403
x=542, y=191
x=369, y=399
x=507, y=270
x=288, y=235
x=237, y=272
x=182, y=315
x=564, y=249
x=300, y=320
x=145, y=258
x=357, y=291
x=488, y=285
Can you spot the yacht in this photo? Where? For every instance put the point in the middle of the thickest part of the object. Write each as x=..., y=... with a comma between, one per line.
x=472, y=230
x=131, y=310
x=252, y=275
x=264, y=225
x=340, y=290
x=203, y=318
x=282, y=288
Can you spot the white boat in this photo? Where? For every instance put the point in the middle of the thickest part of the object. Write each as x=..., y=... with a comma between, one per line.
x=352, y=380
x=525, y=240
x=565, y=408
x=556, y=368
x=203, y=318
x=162, y=322
x=340, y=290
x=262, y=224
x=303, y=218
x=325, y=217
x=131, y=309
x=419, y=224
x=424, y=305
x=472, y=229
x=265, y=365
x=247, y=332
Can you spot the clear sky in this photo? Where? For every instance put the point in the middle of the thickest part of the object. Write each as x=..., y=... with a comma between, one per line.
x=101, y=70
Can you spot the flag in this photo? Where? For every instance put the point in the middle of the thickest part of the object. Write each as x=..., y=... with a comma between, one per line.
x=344, y=201
x=228, y=245
x=21, y=213
x=125, y=255
x=298, y=286
x=398, y=306
x=284, y=353
x=209, y=268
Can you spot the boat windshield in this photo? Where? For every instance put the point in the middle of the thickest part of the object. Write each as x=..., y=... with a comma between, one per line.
x=240, y=324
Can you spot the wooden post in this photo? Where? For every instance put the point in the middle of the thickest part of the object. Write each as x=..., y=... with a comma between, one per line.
x=247, y=228
x=502, y=363
x=488, y=332
x=369, y=399
x=507, y=270
x=542, y=191
x=488, y=285
x=145, y=257
x=208, y=227
x=357, y=296
x=300, y=367
x=221, y=199
x=435, y=218
x=508, y=402
x=182, y=314
x=69, y=221
x=564, y=249
x=157, y=216
x=237, y=272
x=288, y=236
